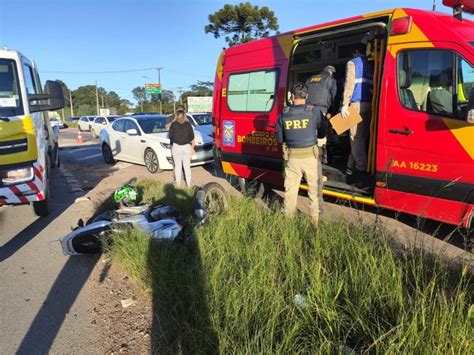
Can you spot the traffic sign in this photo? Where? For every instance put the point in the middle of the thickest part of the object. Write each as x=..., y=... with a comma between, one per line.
x=153, y=88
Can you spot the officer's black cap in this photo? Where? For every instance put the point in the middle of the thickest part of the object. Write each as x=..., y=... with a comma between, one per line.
x=300, y=90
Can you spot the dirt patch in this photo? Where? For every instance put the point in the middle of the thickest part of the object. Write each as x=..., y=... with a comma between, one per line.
x=121, y=330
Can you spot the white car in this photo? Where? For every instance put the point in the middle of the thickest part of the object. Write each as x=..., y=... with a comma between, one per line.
x=101, y=122
x=144, y=140
x=202, y=121
x=85, y=122
x=54, y=122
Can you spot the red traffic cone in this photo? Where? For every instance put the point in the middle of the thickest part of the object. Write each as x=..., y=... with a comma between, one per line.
x=80, y=140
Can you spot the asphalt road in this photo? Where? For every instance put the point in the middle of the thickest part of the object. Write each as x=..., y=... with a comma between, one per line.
x=44, y=306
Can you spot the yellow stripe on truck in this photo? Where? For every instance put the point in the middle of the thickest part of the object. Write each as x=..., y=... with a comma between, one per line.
x=415, y=37
x=463, y=132
x=15, y=130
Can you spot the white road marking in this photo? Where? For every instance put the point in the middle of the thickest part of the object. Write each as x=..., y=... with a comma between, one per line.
x=72, y=151
x=89, y=157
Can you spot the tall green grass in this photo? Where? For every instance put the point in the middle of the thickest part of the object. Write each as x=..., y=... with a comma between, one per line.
x=231, y=287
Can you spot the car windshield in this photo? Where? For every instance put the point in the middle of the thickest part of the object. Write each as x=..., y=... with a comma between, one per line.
x=202, y=119
x=152, y=124
x=10, y=98
x=111, y=119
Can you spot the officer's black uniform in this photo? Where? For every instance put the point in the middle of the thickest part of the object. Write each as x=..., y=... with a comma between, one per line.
x=300, y=126
x=322, y=89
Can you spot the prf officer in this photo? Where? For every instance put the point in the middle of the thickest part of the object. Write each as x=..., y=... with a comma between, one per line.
x=298, y=128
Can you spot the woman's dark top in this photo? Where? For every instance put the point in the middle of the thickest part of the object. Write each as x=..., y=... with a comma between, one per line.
x=181, y=133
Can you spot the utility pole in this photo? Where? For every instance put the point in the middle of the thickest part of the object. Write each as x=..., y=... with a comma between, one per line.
x=180, y=92
x=97, y=98
x=102, y=97
x=434, y=5
x=70, y=103
x=159, y=82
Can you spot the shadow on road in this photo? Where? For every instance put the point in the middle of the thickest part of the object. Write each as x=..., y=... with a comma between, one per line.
x=57, y=306
x=181, y=317
x=68, y=284
x=59, y=204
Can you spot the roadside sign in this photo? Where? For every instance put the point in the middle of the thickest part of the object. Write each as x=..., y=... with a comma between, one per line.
x=199, y=104
x=104, y=112
x=153, y=88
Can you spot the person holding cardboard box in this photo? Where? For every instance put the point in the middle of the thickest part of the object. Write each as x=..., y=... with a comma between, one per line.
x=358, y=93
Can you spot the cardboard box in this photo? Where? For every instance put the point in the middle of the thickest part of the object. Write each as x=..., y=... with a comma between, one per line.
x=341, y=124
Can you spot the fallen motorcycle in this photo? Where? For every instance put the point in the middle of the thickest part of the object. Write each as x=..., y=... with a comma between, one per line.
x=160, y=222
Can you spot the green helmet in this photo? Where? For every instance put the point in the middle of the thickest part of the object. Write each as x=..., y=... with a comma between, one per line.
x=126, y=195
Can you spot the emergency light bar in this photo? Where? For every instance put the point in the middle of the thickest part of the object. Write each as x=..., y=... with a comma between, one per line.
x=401, y=26
x=460, y=6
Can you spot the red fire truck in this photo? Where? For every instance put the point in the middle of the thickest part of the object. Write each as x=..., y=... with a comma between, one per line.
x=421, y=149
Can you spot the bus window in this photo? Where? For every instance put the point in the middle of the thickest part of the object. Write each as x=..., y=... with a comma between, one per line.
x=252, y=92
x=425, y=81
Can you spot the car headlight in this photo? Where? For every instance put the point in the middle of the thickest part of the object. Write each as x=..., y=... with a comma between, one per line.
x=17, y=176
x=165, y=145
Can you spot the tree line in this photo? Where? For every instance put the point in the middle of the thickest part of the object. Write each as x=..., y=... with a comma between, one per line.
x=84, y=99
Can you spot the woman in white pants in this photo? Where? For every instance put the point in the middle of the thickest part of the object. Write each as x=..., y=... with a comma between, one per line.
x=182, y=147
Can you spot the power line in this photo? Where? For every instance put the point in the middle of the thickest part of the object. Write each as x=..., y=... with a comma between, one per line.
x=196, y=75
x=98, y=72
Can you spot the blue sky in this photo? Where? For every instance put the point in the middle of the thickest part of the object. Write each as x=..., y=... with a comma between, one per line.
x=109, y=35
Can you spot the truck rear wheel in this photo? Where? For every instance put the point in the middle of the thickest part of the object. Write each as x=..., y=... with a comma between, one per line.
x=41, y=208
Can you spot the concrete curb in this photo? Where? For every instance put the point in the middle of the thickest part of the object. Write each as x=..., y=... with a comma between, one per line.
x=73, y=183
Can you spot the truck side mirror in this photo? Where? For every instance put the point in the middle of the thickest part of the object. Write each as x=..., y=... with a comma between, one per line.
x=53, y=95
x=56, y=96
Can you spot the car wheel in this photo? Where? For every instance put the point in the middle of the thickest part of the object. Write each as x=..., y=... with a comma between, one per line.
x=79, y=128
x=151, y=161
x=90, y=128
x=107, y=154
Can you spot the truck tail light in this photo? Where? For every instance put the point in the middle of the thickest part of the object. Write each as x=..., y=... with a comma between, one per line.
x=401, y=26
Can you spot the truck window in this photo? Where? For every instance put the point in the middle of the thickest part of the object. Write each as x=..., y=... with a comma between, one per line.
x=252, y=92
x=10, y=98
x=31, y=88
x=465, y=87
x=425, y=81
